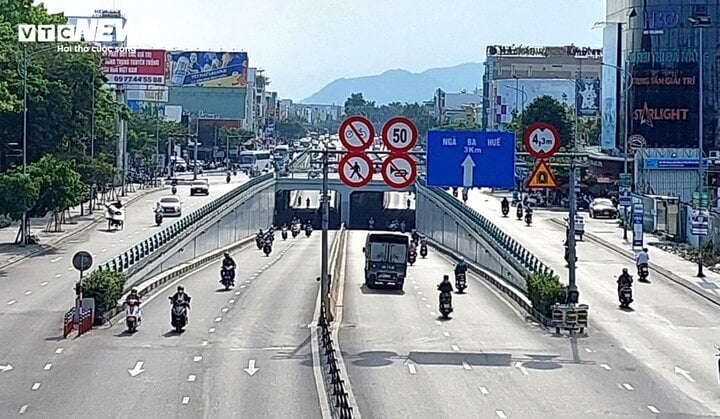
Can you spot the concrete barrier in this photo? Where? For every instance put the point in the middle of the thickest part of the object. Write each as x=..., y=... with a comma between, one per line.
x=336, y=265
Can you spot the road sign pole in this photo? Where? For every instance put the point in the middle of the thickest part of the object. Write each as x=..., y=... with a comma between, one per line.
x=325, y=279
x=573, y=295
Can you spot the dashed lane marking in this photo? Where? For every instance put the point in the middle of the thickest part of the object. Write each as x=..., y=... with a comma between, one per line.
x=500, y=414
x=28, y=292
x=58, y=275
x=432, y=313
x=225, y=309
x=653, y=408
x=446, y=334
x=191, y=378
x=185, y=400
x=42, y=284
x=204, y=343
x=11, y=302
x=36, y=386
x=212, y=330
x=628, y=387
x=218, y=319
x=58, y=351
x=231, y=301
x=484, y=391
x=455, y=348
x=605, y=367
x=466, y=365
x=56, y=259
x=411, y=369
x=197, y=358
x=47, y=367
x=23, y=409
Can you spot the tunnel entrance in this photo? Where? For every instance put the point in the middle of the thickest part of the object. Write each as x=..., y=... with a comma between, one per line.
x=383, y=208
x=306, y=206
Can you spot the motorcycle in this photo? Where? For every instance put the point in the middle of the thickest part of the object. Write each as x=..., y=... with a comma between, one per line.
x=465, y=195
x=178, y=315
x=132, y=317
x=158, y=218
x=295, y=230
x=519, y=213
x=423, y=250
x=284, y=234
x=259, y=241
x=445, y=304
x=528, y=219
x=643, y=273
x=505, y=211
x=625, y=296
x=412, y=257
x=460, y=282
x=267, y=248
x=227, y=278
x=455, y=192
x=174, y=189
x=227, y=178
x=308, y=231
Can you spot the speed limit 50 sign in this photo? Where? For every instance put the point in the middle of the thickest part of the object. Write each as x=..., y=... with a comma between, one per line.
x=399, y=134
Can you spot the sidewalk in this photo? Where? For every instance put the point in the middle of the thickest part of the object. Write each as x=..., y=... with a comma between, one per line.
x=11, y=253
x=670, y=266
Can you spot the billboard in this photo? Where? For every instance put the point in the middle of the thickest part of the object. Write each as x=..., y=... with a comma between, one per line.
x=207, y=69
x=139, y=66
x=608, y=130
x=587, y=98
x=511, y=95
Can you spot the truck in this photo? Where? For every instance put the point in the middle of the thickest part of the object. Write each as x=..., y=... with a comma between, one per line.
x=386, y=260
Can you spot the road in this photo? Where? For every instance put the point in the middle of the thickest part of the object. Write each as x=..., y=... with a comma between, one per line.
x=669, y=331
x=36, y=292
x=485, y=362
x=392, y=200
x=200, y=373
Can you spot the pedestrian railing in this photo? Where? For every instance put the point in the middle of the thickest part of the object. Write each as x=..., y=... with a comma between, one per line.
x=340, y=401
x=155, y=243
x=509, y=249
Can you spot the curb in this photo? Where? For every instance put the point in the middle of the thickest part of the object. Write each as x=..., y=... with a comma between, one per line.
x=662, y=272
x=72, y=234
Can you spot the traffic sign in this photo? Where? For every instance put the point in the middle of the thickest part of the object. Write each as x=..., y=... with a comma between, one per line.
x=625, y=196
x=542, y=177
x=356, y=169
x=399, y=134
x=82, y=261
x=636, y=142
x=541, y=140
x=399, y=171
x=356, y=133
x=700, y=222
x=470, y=159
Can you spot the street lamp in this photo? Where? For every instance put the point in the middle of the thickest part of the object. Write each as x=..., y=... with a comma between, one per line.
x=700, y=22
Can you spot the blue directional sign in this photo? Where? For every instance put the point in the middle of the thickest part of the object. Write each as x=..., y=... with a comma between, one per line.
x=471, y=159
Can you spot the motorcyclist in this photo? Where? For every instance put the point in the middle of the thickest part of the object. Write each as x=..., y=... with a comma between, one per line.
x=624, y=280
x=461, y=267
x=158, y=208
x=415, y=236
x=642, y=258
x=228, y=262
x=260, y=234
x=505, y=203
x=412, y=248
x=133, y=298
x=181, y=296
x=445, y=287
x=308, y=225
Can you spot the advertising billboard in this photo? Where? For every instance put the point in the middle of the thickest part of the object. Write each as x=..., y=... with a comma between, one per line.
x=587, y=97
x=608, y=130
x=207, y=69
x=513, y=95
x=139, y=66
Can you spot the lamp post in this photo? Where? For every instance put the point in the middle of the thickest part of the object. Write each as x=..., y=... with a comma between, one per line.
x=700, y=22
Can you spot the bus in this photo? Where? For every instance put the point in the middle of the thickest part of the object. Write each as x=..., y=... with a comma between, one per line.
x=263, y=160
x=282, y=151
x=246, y=160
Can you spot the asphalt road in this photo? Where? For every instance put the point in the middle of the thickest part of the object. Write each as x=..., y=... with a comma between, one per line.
x=392, y=200
x=488, y=361
x=199, y=373
x=669, y=331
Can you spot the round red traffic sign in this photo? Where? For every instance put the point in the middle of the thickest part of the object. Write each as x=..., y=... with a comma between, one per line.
x=355, y=169
x=541, y=140
x=399, y=134
x=356, y=133
x=399, y=171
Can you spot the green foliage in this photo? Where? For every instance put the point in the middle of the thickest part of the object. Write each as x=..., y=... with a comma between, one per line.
x=290, y=129
x=94, y=171
x=60, y=185
x=106, y=287
x=549, y=110
x=462, y=125
x=18, y=193
x=544, y=291
x=378, y=115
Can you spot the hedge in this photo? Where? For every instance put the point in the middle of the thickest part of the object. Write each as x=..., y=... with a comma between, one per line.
x=544, y=291
x=106, y=287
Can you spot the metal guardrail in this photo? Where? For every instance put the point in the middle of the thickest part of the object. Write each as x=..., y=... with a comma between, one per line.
x=509, y=249
x=157, y=241
x=341, y=407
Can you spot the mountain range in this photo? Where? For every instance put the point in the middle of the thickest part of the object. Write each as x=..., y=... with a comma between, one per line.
x=401, y=85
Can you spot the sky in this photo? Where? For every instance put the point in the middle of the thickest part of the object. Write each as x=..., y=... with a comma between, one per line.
x=305, y=44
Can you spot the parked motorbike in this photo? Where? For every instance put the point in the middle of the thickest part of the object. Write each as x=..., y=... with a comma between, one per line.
x=267, y=248
x=625, y=296
x=227, y=278
x=178, y=315
x=412, y=257
x=460, y=282
x=158, y=218
x=643, y=273
x=132, y=317
x=423, y=251
x=445, y=304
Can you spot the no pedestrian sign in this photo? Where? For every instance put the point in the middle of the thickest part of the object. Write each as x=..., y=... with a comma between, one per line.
x=356, y=170
x=356, y=133
x=399, y=171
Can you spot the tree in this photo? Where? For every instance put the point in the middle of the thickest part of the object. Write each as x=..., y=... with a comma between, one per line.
x=106, y=288
x=549, y=110
x=18, y=193
x=357, y=105
x=462, y=125
x=290, y=129
x=544, y=291
x=60, y=187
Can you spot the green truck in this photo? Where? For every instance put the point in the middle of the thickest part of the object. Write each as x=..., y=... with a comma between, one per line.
x=385, y=260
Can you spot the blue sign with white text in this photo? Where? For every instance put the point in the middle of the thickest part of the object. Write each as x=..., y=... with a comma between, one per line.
x=470, y=159
x=672, y=163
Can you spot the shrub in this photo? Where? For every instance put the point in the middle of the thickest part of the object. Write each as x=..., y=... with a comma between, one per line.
x=106, y=287
x=544, y=291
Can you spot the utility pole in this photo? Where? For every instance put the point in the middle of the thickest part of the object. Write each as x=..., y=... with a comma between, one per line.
x=325, y=278
x=573, y=295
x=195, y=157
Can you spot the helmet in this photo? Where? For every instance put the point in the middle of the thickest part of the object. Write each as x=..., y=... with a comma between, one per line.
x=446, y=277
x=180, y=288
x=462, y=260
x=133, y=291
x=645, y=249
x=260, y=231
x=625, y=270
x=226, y=254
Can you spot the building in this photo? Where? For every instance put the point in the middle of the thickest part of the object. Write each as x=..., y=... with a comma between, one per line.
x=311, y=114
x=516, y=75
x=104, y=14
x=448, y=107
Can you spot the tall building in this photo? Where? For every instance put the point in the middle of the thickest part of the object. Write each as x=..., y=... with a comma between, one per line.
x=104, y=14
x=516, y=75
x=448, y=107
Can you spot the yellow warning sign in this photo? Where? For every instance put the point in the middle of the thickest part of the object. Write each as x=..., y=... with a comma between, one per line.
x=542, y=177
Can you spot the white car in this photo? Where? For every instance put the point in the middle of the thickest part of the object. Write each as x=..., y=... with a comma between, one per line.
x=602, y=207
x=200, y=187
x=171, y=206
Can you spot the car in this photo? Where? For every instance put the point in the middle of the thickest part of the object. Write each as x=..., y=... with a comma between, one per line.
x=171, y=206
x=602, y=207
x=200, y=187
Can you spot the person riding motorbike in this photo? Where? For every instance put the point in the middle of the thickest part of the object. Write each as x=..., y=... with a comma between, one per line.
x=415, y=236
x=624, y=280
x=228, y=262
x=505, y=203
x=642, y=258
x=461, y=267
x=133, y=299
x=181, y=296
x=445, y=287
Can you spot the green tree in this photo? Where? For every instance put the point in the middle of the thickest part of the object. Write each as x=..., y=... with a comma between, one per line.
x=18, y=193
x=357, y=105
x=544, y=291
x=420, y=115
x=60, y=187
x=290, y=129
x=106, y=288
x=462, y=125
x=549, y=110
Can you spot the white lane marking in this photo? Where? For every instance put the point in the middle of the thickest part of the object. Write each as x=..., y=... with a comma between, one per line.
x=204, y=343
x=522, y=369
x=588, y=350
x=653, y=408
x=47, y=367
x=247, y=282
x=197, y=358
x=103, y=250
x=438, y=322
x=500, y=414
x=191, y=378
x=144, y=228
x=417, y=287
x=455, y=348
x=446, y=334
x=428, y=306
x=411, y=368
x=605, y=366
x=484, y=391
x=113, y=245
x=28, y=292
x=237, y=292
x=36, y=386
x=231, y=301
x=241, y=286
x=121, y=240
x=185, y=400
x=466, y=366
x=684, y=373
x=628, y=387
x=42, y=284
x=58, y=275
x=11, y=302
x=419, y=292
x=56, y=259
x=70, y=268
x=432, y=313
x=424, y=299
x=212, y=330
x=23, y=409
x=218, y=319
x=58, y=351
x=225, y=309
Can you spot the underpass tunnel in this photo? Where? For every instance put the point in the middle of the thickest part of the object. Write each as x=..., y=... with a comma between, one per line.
x=381, y=207
x=305, y=204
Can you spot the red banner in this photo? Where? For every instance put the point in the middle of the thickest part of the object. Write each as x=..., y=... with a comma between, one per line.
x=140, y=66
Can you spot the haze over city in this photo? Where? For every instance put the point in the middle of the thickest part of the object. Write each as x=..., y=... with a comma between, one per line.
x=306, y=44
